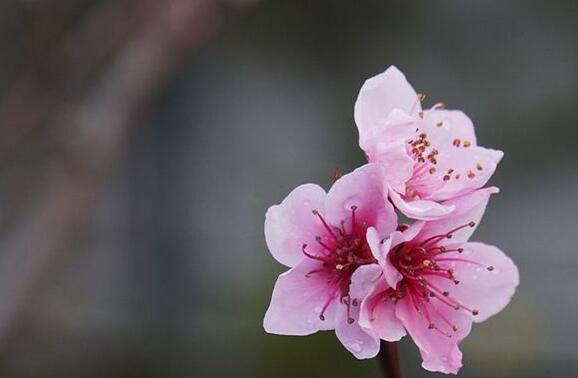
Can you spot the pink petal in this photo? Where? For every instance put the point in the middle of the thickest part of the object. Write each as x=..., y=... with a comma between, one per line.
x=363, y=280
x=487, y=291
x=444, y=126
x=378, y=315
x=439, y=352
x=465, y=165
x=468, y=208
x=378, y=97
x=381, y=248
x=420, y=209
x=394, y=164
x=361, y=188
x=381, y=252
x=291, y=224
x=298, y=300
x=363, y=344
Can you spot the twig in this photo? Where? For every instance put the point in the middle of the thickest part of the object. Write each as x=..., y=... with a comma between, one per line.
x=389, y=360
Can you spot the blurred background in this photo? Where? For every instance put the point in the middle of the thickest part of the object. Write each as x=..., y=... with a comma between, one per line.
x=141, y=142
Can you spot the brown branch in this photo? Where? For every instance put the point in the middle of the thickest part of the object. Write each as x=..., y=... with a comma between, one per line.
x=389, y=360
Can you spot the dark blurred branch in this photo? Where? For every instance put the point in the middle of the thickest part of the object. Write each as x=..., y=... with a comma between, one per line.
x=95, y=128
x=389, y=360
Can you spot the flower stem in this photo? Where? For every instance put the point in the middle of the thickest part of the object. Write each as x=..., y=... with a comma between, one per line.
x=389, y=360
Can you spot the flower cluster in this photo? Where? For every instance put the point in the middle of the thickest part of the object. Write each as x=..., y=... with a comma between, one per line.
x=356, y=270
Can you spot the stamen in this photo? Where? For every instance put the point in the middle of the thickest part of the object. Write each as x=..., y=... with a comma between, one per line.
x=318, y=258
x=448, y=234
x=318, y=240
x=353, y=225
x=315, y=212
x=489, y=268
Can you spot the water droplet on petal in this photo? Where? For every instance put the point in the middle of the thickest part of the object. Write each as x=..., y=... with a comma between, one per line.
x=351, y=201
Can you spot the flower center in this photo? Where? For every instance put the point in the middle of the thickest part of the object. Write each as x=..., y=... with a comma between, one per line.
x=341, y=250
x=418, y=263
x=420, y=185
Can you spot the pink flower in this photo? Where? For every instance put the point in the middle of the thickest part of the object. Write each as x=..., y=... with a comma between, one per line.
x=433, y=284
x=322, y=238
x=425, y=156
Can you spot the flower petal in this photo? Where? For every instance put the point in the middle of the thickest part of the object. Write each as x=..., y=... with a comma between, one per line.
x=486, y=290
x=468, y=208
x=444, y=126
x=291, y=224
x=378, y=97
x=462, y=166
x=420, y=209
x=381, y=252
x=377, y=313
x=395, y=166
x=440, y=353
x=363, y=344
x=361, y=188
x=298, y=300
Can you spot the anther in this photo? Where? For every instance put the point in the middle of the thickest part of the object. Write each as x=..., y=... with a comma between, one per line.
x=472, y=224
x=479, y=167
x=431, y=326
x=439, y=124
x=350, y=320
x=467, y=143
x=475, y=312
x=446, y=178
x=322, y=317
x=446, y=293
x=402, y=227
x=456, y=142
x=460, y=250
x=355, y=302
x=421, y=96
x=471, y=175
x=455, y=328
x=490, y=268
